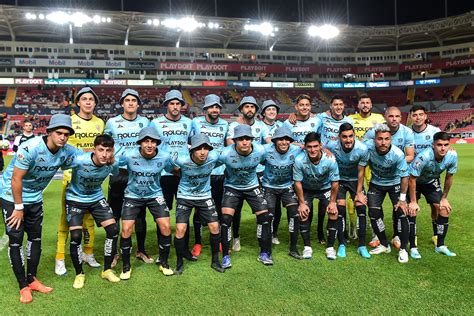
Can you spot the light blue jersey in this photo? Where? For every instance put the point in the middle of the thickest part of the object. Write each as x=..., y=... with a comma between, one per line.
x=424, y=139
x=241, y=171
x=302, y=128
x=125, y=132
x=315, y=176
x=348, y=162
x=259, y=131
x=144, y=174
x=87, y=178
x=273, y=128
x=403, y=138
x=217, y=134
x=195, y=182
x=41, y=165
x=329, y=129
x=278, y=173
x=426, y=168
x=387, y=169
x=174, y=135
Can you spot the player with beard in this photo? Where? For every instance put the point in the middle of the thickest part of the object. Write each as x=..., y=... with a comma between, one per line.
x=215, y=128
x=389, y=175
x=351, y=156
x=248, y=108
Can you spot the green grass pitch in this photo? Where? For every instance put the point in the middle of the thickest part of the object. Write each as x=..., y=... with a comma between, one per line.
x=433, y=285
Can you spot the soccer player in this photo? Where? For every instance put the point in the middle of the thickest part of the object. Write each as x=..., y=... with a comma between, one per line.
x=87, y=127
x=174, y=130
x=332, y=119
x=402, y=137
x=125, y=129
x=215, y=128
x=351, y=156
x=423, y=134
x=241, y=183
x=425, y=172
x=316, y=176
x=277, y=181
x=304, y=122
x=194, y=191
x=84, y=194
x=145, y=165
x=27, y=134
x=364, y=120
x=269, y=113
x=23, y=182
x=389, y=175
x=248, y=108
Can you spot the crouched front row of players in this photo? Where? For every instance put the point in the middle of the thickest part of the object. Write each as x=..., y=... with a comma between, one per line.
x=295, y=175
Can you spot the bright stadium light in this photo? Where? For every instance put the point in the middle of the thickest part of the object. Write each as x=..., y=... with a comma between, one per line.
x=265, y=28
x=96, y=19
x=30, y=16
x=187, y=24
x=325, y=31
x=156, y=22
x=41, y=16
x=213, y=25
x=78, y=19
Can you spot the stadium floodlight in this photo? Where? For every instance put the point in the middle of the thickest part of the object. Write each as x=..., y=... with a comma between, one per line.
x=30, y=16
x=187, y=24
x=156, y=22
x=213, y=25
x=325, y=31
x=41, y=16
x=96, y=19
x=265, y=28
x=78, y=19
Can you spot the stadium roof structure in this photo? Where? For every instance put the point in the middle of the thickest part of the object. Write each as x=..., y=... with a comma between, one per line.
x=135, y=27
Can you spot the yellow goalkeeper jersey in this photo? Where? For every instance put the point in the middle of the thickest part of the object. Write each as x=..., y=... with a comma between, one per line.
x=85, y=131
x=363, y=124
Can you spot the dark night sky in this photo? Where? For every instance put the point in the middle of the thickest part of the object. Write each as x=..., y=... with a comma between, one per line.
x=362, y=12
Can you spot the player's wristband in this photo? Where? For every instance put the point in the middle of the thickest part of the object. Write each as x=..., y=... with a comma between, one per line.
x=403, y=197
x=19, y=207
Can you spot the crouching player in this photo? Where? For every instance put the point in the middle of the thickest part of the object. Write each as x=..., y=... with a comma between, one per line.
x=23, y=182
x=425, y=173
x=144, y=165
x=241, y=183
x=194, y=191
x=351, y=156
x=316, y=176
x=277, y=181
x=84, y=194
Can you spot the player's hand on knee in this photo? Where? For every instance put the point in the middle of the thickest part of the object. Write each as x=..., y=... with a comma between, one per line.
x=303, y=210
x=14, y=221
x=444, y=205
x=413, y=208
x=332, y=208
x=403, y=206
x=361, y=198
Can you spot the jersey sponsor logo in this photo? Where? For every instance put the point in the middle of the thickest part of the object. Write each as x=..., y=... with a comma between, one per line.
x=127, y=135
x=145, y=174
x=213, y=134
x=175, y=132
x=85, y=135
x=45, y=168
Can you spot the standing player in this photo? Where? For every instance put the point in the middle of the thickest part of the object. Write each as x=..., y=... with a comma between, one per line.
x=364, y=120
x=389, y=175
x=87, y=127
x=241, y=160
x=174, y=130
x=216, y=129
x=194, y=191
x=351, y=156
x=84, y=194
x=124, y=129
x=248, y=108
x=425, y=172
x=305, y=123
x=423, y=135
x=402, y=137
x=277, y=182
x=25, y=135
x=23, y=182
x=144, y=165
x=316, y=176
x=269, y=113
x=331, y=120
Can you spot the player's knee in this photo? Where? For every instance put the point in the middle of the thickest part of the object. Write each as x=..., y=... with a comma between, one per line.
x=15, y=238
x=180, y=230
x=126, y=231
x=293, y=211
x=360, y=209
x=332, y=216
x=111, y=231
x=213, y=227
x=76, y=236
x=226, y=220
x=165, y=227
x=374, y=213
x=341, y=211
x=264, y=218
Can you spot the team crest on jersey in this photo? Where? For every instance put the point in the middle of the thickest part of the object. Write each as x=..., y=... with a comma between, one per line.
x=185, y=126
x=292, y=157
x=400, y=140
x=221, y=128
x=428, y=137
x=257, y=130
x=140, y=124
x=389, y=161
x=20, y=156
x=312, y=124
x=159, y=164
